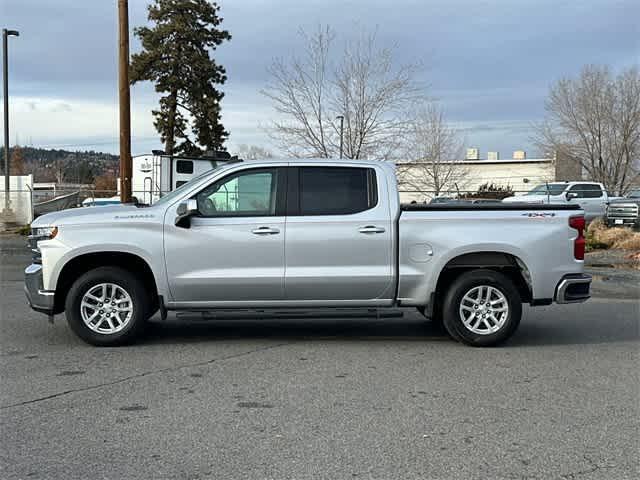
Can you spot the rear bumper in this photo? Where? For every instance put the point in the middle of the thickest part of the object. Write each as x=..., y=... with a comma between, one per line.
x=39, y=299
x=573, y=288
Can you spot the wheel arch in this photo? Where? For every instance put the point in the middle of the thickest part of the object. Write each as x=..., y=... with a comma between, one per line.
x=506, y=263
x=85, y=262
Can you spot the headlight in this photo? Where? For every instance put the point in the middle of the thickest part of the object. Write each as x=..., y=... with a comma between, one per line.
x=45, y=233
x=38, y=234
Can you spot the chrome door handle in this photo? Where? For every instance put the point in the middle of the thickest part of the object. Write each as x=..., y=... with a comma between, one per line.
x=371, y=229
x=265, y=231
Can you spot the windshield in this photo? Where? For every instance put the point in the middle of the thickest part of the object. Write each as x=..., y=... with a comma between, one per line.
x=634, y=193
x=548, y=189
x=168, y=197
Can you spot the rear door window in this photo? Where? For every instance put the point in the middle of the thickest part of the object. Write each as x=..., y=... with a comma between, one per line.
x=336, y=190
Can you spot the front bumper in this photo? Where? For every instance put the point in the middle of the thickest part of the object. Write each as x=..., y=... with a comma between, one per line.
x=573, y=288
x=39, y=299
x=623, y=221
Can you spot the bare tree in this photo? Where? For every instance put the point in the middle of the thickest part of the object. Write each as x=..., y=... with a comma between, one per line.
x=60, y=168
x=365, y=87
x=594, y=120
x=433, y=153
x=105, y=185
x=253, y=152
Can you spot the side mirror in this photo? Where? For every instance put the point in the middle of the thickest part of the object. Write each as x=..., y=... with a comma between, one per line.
x=570, y=195
x=185, y=211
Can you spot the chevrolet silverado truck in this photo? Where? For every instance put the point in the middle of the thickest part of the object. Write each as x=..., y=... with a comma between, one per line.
x=304, y=237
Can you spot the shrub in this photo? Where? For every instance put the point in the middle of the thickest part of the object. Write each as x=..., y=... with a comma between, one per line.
x=630, y=243
x=611, y=236
x=598, y=236
x=490, y=191
x=24, y=230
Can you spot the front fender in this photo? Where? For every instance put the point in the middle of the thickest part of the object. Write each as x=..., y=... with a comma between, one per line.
x=143, y=240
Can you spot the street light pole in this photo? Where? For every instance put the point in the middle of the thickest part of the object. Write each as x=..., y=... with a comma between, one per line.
x=341, y=117
x=5, y=76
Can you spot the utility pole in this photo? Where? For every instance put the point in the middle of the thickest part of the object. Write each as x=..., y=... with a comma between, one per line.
x=7, y=214
x=125, y=102
x=341, y=117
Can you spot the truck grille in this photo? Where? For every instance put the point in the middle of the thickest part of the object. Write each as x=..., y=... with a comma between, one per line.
x=625, y=210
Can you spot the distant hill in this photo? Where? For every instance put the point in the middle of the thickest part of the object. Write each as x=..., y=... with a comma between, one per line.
x=53, y=165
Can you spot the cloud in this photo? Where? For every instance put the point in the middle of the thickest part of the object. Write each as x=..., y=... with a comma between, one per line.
x=55, y=122
x=61, y=107
x=489, y=62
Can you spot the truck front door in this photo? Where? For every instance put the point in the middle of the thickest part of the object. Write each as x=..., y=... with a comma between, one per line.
x=234, y=249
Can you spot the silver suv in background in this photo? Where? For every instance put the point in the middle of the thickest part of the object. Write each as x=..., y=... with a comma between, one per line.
x=592, y=197
x=624, y=212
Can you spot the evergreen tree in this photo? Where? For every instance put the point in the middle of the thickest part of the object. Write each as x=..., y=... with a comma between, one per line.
x=176, y=57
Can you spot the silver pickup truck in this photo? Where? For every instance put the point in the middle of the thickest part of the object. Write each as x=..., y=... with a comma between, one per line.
x=304, y=237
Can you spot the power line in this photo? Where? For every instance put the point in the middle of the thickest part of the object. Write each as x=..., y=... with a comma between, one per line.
x=70, y=145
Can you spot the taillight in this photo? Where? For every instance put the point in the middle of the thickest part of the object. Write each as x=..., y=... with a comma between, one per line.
x=579, y=243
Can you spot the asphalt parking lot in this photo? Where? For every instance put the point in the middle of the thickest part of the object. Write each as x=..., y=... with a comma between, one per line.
x=366, y=398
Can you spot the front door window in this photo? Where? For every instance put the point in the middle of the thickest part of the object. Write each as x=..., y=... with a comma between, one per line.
x=248, y=194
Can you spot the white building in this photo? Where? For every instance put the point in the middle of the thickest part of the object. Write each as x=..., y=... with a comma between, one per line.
x=20, y=197
x=520, y=174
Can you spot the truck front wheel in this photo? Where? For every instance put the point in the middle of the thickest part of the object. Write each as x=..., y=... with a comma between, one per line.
x=482, y=308
x=107, y=306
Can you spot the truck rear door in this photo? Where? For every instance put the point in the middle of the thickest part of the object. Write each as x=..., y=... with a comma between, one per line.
x=338, y=244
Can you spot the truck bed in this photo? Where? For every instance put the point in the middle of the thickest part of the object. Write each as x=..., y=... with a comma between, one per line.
x=537, y=237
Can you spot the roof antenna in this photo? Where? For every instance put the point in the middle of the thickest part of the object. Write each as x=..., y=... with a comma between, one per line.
x=548, y=193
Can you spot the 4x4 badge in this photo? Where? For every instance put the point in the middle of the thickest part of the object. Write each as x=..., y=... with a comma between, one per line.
x=539, y=214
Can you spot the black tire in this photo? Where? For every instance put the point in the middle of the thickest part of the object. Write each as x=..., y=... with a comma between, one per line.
x=465, y=284
x=141, y=306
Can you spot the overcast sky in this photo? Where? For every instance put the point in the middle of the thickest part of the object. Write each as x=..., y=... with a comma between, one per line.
x=489, y=62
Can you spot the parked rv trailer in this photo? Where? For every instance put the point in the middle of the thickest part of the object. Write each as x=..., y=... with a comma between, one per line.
x=156, y=174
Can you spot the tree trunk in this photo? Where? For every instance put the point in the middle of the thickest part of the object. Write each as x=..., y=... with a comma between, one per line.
x=171, y=122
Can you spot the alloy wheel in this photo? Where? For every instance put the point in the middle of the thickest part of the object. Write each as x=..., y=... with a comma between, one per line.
x=484, y=310
x=106, y=308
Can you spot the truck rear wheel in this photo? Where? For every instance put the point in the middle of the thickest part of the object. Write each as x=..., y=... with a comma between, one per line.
x=107, y=306
x=482, y=308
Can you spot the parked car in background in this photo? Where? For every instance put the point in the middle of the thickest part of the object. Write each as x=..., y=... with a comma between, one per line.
x=436, y=200
x=624, y=212
x=297, y=236
x=100, y=202
x=483, y=201
x=592, y=197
